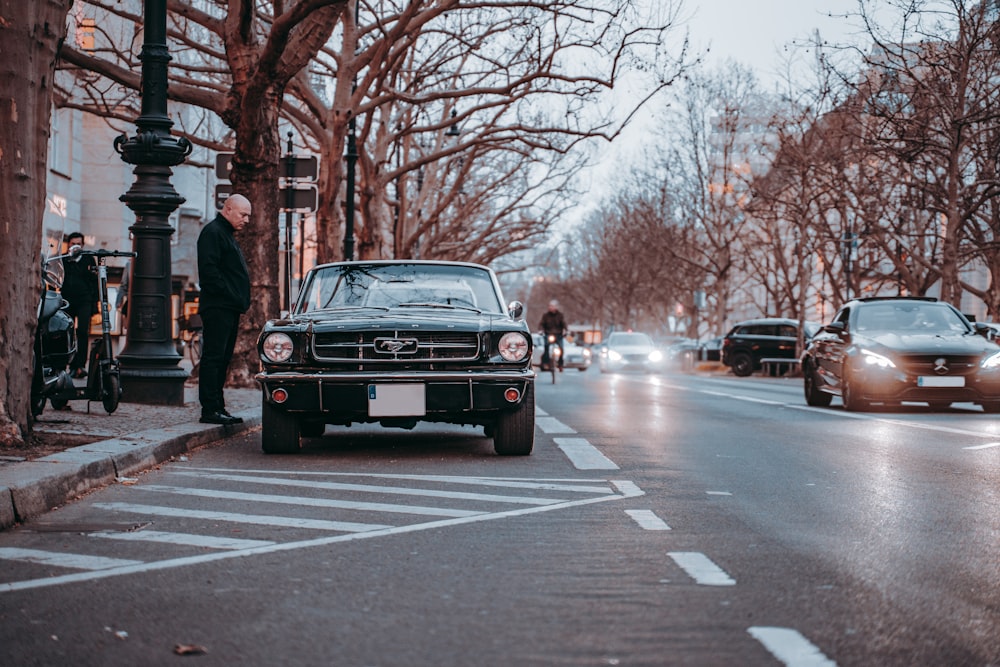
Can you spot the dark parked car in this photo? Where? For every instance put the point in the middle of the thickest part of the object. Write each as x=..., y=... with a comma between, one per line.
x=768, y=338
x=397, y=342
x=893, y=349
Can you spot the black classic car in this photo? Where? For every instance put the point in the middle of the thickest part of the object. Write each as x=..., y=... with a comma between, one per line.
x=894, y=349
x=397, y=342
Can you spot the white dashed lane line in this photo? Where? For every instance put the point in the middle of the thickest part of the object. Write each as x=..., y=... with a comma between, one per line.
x=790, y=647
x=583, y=455
x=700, y=567
x=647, y=520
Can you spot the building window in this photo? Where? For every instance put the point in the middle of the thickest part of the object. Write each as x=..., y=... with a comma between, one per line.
x=61, y=142
x=85, y=29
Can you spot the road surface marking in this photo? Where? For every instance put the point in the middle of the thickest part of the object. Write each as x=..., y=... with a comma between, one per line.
x=371, y=488
x=74, y=561
x=628, y=491
x=988, y=445
x=700, y=568
x=552, y=425
x=583, y=455
x=790, y=647
x=648, y=520
x=718, y=493
x=205, y=541
x=255, y=519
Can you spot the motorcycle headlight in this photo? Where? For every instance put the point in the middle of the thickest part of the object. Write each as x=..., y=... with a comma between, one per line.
x=991, y=362
x=513, y=346
x=874, y=359
x=277, y=347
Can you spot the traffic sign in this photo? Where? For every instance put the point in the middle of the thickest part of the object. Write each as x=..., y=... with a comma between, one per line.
x=304, y=168
x=304, y=199
x=222, y=192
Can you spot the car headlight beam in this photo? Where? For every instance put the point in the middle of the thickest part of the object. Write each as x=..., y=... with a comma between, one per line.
x=874, y=359
x=278, y=347
x=514, y=346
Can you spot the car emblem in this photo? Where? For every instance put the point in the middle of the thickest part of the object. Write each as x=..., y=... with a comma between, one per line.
x=941, y=366
x=396, y=345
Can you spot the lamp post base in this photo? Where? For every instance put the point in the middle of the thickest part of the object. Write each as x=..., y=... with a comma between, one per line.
x=153, y=386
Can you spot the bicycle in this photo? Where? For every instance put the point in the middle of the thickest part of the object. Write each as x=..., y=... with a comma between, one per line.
x=551, y=355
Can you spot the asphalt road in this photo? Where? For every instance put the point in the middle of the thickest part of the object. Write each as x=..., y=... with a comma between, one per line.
x=662, y=520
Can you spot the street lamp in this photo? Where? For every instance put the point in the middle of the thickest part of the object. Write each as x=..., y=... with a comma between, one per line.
x=149, y=369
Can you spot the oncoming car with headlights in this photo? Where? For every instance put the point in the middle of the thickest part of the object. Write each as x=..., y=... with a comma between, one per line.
x=894, y=349
x=630, y=350
x=398, y=342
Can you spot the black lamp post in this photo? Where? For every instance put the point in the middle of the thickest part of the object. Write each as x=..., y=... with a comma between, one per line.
x=352, y=159
x=150, y=373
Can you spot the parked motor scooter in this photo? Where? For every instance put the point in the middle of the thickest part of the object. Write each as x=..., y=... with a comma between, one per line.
x=55, y=337
x=103, y=374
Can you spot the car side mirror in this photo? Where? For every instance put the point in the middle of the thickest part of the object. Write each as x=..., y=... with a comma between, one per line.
x=838, y=328
x=985, y=330
x=515, y=309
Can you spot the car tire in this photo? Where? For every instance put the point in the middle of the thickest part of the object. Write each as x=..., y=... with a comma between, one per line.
x=514, y=433
x=280, y=431
x=742, y=365
x=991, y=407
x=814, y=396
x=852, y=401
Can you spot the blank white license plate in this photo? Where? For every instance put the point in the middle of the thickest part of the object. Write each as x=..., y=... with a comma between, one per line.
x=396, y=400
x=934, y=381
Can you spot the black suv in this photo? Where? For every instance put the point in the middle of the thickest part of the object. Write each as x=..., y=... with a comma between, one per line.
x=768, y=338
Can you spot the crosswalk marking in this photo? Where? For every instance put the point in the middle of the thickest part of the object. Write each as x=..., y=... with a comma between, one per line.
x=204, y=541
x=257, y=519
x=73, y=561
x=310, y=502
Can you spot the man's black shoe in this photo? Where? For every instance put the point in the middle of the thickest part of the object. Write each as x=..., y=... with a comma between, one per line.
x=236, y=420
x=217, y=418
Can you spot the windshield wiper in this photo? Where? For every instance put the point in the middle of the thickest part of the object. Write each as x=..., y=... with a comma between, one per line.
x=453, y=306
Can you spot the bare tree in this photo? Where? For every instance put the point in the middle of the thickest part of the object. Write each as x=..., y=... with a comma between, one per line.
x=31, y=34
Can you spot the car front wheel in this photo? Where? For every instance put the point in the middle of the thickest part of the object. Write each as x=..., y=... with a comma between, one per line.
x=852, y=397
x=814, y=397
x=742, y=365
x=514, y=432
x=279, y=431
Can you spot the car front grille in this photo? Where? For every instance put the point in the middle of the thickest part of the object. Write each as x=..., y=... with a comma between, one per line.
x=422, y=346
x=927, y=364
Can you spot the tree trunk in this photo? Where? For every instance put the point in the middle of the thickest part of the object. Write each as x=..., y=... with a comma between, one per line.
x=30, y=35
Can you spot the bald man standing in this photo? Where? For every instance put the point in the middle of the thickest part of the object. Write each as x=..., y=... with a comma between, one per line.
x=225, y=295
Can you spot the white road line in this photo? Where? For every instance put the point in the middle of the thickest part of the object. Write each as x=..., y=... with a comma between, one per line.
x=583, y=455
x=648, y=520
x=718, y=493
x=630, y=489
x=187, y=539
x=552, y=425
x=371, y=488
x=988, y=445
x=700, y=568
x=257, y=519
x=300, y=501
x=217, y=556
x=74, y=561
x=539, y=412
x=790, y=647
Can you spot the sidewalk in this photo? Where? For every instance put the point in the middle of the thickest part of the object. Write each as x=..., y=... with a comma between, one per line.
x=133, y=438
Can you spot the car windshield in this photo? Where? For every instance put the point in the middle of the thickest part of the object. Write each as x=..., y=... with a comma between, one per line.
x=909, y=317
x=630, y=339
x=399, y=286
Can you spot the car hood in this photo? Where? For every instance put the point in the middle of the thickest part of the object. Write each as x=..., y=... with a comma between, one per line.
x=631, y=349
x=410, y=318
x=928, y=343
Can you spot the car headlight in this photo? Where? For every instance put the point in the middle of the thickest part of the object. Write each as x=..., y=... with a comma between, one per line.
x=586, y=353
x=991, y=362
x=614, y=355
x=277, y=347
x=873, y=359
x=655, y=356
x=513, y=346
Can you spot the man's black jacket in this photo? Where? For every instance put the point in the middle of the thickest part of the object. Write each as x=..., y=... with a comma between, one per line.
x=222, y=270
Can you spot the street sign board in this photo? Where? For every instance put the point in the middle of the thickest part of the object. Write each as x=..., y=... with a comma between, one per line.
x=304, y=199
x=304, y=168
x=222, y=192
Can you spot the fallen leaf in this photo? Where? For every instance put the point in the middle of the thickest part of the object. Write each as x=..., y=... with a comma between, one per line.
x=190, y=649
